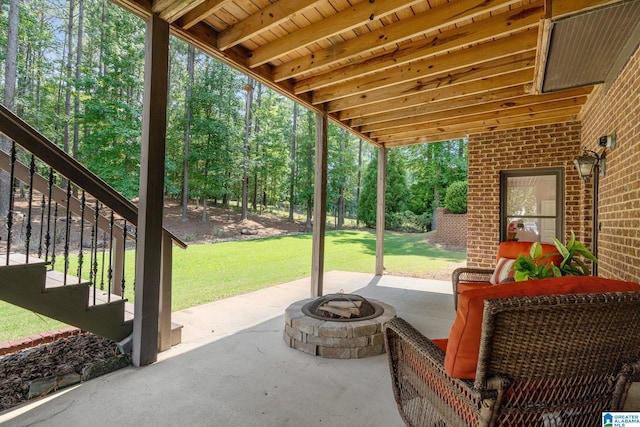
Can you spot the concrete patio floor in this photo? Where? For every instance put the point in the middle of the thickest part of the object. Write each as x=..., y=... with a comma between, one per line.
x=234, y=368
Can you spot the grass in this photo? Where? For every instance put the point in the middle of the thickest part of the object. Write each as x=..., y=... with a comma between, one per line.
x=205, y=273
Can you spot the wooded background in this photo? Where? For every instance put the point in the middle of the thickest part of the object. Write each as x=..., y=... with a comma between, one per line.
x=74, y=70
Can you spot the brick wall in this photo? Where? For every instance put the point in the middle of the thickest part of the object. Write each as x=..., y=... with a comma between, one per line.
x=617, y=108
x=451, y=228
x=526, y=148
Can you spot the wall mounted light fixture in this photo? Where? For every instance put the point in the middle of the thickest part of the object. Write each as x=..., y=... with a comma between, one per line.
x=590, y=162
x=593, y=164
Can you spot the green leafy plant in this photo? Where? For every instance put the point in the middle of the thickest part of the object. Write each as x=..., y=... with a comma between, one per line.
x=574, y=254
x=455, y=198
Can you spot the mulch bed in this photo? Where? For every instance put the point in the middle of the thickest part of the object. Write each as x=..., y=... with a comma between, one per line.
x=40, y=370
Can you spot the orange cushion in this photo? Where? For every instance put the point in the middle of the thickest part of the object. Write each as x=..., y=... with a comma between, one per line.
x=513, y=249
x=461, y=358
x=442, y=343
x=465, y=286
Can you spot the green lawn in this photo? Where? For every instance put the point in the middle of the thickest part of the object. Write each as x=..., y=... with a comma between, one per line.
x=204, y=273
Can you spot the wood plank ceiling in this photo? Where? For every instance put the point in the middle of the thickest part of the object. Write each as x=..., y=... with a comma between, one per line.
x=395, y=72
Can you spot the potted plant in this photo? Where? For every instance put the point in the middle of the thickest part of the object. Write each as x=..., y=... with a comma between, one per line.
x=574, y=254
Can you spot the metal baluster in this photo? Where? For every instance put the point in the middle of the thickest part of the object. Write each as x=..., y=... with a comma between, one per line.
x=83, y=203
x=94, y=251
x=55, y=226
x=42, y=206
x=67, y=234
x=104, y=238
x=91, y=273
x=11, y=199
x=32, y=171
x=47, y=239
x=110, y=271
x=124, y=253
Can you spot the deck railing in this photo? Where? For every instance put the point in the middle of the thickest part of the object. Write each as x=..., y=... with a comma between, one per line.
x=62, y=214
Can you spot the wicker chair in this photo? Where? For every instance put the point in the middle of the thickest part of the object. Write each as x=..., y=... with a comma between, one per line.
x=482, y=276
x=558, y=360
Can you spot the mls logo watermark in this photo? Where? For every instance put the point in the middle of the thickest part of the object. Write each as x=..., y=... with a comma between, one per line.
x=621, y=419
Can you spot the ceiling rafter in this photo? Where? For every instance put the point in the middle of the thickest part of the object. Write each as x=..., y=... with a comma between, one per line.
x=495, y=27
x=518, y=78
x=469, y=127
x=345, y=20
x=442, y=65
x=388, y=36
x=512, y=106
x=444, y=119
x=516, y=63
x=269, y=17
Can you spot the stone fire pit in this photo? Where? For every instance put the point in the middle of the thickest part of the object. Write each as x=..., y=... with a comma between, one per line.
x=336, y=337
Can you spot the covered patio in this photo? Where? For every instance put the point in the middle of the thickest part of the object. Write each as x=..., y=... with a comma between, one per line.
x=527, y=82
x=233, y=367
x=395, y=73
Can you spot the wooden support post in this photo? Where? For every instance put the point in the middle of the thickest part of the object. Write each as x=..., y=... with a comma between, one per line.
x=148, y=254
x=164, y=337
x=382, y=190
x=319, y=205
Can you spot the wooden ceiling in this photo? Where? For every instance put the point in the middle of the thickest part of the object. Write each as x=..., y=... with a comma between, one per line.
x=395, y=72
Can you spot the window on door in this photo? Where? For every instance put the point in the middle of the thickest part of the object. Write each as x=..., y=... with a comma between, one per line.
x=531, y=205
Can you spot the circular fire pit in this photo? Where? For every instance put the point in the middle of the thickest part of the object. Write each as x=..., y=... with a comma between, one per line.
x=338, y=326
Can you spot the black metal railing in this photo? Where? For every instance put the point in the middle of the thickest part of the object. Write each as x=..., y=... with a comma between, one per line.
x=73, y=203
x=46, y=223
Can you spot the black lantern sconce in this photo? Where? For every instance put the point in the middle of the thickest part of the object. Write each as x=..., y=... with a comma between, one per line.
x=591, y=163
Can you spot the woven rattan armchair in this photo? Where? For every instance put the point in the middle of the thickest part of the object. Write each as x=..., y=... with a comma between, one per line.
x=557, y=360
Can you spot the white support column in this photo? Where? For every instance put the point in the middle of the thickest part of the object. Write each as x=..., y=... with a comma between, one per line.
x=149, y=249
x=382, y=190
x=319, y=205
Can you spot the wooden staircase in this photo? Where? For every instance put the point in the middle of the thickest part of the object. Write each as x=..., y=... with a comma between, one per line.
x=34, y=287
x=94, y=206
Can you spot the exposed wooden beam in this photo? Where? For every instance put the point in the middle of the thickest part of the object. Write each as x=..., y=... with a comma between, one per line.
x=272, y=15
x=424, y=97
x=204, y=38
x=400, y=91
x=174, y=9
x=345, y=20
x=438, y=135
x=575, y=96
x=484, y=30
x=549, y=116
x=426, y=68
x=389, y=36
x=438, y=106
x=200, y=12
x=443, y=120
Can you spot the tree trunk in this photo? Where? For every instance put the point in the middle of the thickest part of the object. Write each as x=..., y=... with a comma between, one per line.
x=292, y=159
x=76, y=100
x=187, y=132
x=311, y=124
x=245, y=171
x=9, y=96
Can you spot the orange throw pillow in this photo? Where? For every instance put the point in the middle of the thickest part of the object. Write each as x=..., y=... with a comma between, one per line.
x=463, y=346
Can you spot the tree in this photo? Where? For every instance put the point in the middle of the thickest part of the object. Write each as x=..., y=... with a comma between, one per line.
x=245, y=164
x=10, y=77
x=396, y=192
